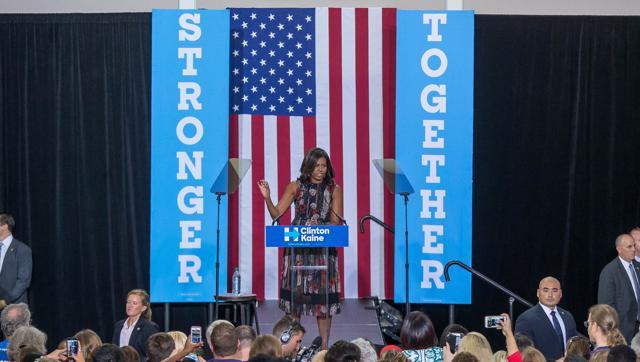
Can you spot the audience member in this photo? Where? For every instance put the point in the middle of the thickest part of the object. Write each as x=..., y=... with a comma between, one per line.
x=602, y=326
x=159, y=347
x=500, y=356
x=225, y=343
x=579, y=345
x=89, y=341
x=523, y=341
x=600, y=356
x=266, y=344
x=319, y=357
x=418, y=337
x=137, y=327
x=621, y=353
x=367, y=352
x=465, y=357
x=572, y=357
x=290, y=333
x=26, y=336
x=392, y=355
x=129, y=354
x=246, y=336
x=12, y=317
x=531, y=354
x=210, y=328
x=619, y=286
x=548, y=325
x=108, y=352
x=343, y=351
x=179, y=340
x=28, y=353
x=476, y=344
x=635, y=343
x=451, y=328
x=389, y=348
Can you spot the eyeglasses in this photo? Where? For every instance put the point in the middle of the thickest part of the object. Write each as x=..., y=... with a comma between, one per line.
x=587, y=323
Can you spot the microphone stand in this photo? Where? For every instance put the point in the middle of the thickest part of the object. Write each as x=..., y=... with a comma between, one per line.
x=405, y=195
x=218, y=197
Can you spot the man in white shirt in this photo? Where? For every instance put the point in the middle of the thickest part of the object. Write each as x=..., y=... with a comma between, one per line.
x=15, y=264
x=548, y=325
x=619, y=286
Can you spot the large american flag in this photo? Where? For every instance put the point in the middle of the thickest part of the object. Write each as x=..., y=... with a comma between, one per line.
x=304, y=78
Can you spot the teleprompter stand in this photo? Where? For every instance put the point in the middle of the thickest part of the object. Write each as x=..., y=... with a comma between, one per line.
x=398, y=184
x=225, y=184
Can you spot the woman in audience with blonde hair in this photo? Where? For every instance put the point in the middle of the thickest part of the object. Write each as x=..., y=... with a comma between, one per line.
x=89, y=341
x=602, y=326
x=476, y=344
x=530, y=354
x=179, y=339
x=266, y=344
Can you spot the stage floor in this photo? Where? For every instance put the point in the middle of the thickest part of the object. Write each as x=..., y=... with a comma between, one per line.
x=357, y=319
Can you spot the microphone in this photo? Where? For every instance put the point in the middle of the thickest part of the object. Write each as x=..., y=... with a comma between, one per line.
x=342, y=221
x=306, y=353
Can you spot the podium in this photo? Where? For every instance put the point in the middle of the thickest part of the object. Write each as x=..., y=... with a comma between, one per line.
x=307, y=236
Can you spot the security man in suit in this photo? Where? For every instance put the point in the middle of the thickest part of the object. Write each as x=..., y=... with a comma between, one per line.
x=548, y=325
x=15, y=264
x=619, y=286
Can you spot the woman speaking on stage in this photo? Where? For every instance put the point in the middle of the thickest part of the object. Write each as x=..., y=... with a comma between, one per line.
x=317, y=200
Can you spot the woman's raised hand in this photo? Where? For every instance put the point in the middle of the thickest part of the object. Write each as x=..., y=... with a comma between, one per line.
x=264, y=189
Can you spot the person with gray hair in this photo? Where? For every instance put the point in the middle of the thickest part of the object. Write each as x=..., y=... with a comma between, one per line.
x=27, y=336
x=12, y=317
x=367, y=352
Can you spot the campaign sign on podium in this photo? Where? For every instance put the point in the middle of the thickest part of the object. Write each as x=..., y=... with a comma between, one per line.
x=307, y=236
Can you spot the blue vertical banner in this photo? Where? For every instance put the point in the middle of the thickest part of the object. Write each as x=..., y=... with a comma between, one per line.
x=189, y=146
x=434, y=148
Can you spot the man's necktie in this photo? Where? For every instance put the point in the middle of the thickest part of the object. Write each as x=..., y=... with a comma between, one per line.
x=636, y=285
x=556, y=326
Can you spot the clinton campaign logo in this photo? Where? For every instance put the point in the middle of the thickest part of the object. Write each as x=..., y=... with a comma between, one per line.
x=315, y=236
x=291, y=233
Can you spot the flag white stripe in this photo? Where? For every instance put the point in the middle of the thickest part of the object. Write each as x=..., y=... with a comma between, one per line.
x=296, y=130
x=245, y=209
x=349, y=134
x=375, y=149
x=322, y=79
x=271, y=175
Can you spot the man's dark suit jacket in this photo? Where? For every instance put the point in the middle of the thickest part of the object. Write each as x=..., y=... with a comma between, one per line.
x=535, y=323
x=15, y=276
x=615, y=289
x=143, y=329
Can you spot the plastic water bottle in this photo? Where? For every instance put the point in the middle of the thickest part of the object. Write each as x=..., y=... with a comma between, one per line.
x=235, y=282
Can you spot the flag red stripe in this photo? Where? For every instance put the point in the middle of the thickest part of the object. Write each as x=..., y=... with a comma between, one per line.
x=389, y=137
x=335, y=108
x=257, y=205
x=284, y=173
x=309, y=129
x=233, y=257
x=362, y=147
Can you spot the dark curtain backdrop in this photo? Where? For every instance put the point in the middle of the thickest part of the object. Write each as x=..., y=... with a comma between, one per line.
x=556, y=159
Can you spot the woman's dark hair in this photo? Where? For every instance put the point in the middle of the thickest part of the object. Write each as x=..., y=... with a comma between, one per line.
x=580, y=346
x=343, y=351
x=309, y=164
x=417, y=332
